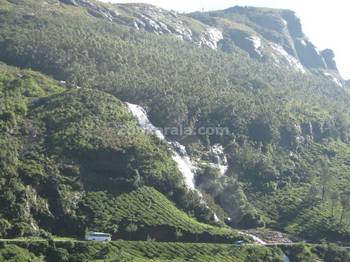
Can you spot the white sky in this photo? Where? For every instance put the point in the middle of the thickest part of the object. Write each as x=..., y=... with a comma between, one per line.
x=324, y=21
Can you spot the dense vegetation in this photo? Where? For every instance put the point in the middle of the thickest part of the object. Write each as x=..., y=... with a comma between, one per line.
x=145, y=213
x=73, y=160
x=153, y=251
x=287, y=149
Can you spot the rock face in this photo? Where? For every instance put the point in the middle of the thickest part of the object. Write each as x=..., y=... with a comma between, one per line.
x=163, y=22
x=96, y=10
x=280, y=37
x=154, y=20
x=329, y=58
x=247, y=42
x=308, y=55
x=302, y=48
x=268, y=35
x=69, y=2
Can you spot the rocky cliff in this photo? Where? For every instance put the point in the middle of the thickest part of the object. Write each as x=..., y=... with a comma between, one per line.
x=268, y=35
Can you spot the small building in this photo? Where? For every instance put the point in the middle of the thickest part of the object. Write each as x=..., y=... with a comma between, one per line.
x=98, y=236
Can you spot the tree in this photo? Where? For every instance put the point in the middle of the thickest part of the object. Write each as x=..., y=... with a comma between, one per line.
x=313, y=192
x=334, y=199
x=5, y=226
x=261, y=130
x=345, y=203
x=325, y=176
x=113, y=229
x=178, y=234
x=57, y=254
x=137, y=179
x=131, y=228
x=234, y=201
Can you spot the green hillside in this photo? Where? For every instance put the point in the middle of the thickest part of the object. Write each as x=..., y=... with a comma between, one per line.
x=125, y=251
x=137, y=251
x=70, y=158
x=151, y=215
x=73, y=158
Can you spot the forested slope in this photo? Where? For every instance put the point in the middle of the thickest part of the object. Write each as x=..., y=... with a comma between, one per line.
x=67, y=155
x=287, y=146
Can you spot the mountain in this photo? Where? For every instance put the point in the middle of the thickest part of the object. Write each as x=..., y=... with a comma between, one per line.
x=270, y=34
x=238, y=99
x=265, y=34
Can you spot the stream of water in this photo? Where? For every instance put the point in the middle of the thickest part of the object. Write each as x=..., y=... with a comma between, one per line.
x=183, y=161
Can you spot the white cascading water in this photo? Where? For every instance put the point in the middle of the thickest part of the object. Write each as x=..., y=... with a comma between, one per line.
x=180, y=156
x=184, y=163
x=143, y=120
x=220, y=158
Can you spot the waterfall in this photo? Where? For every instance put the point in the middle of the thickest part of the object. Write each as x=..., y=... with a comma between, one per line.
x=144, y=122
x=184, y=163
x=180, y=156
x=219, y=158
